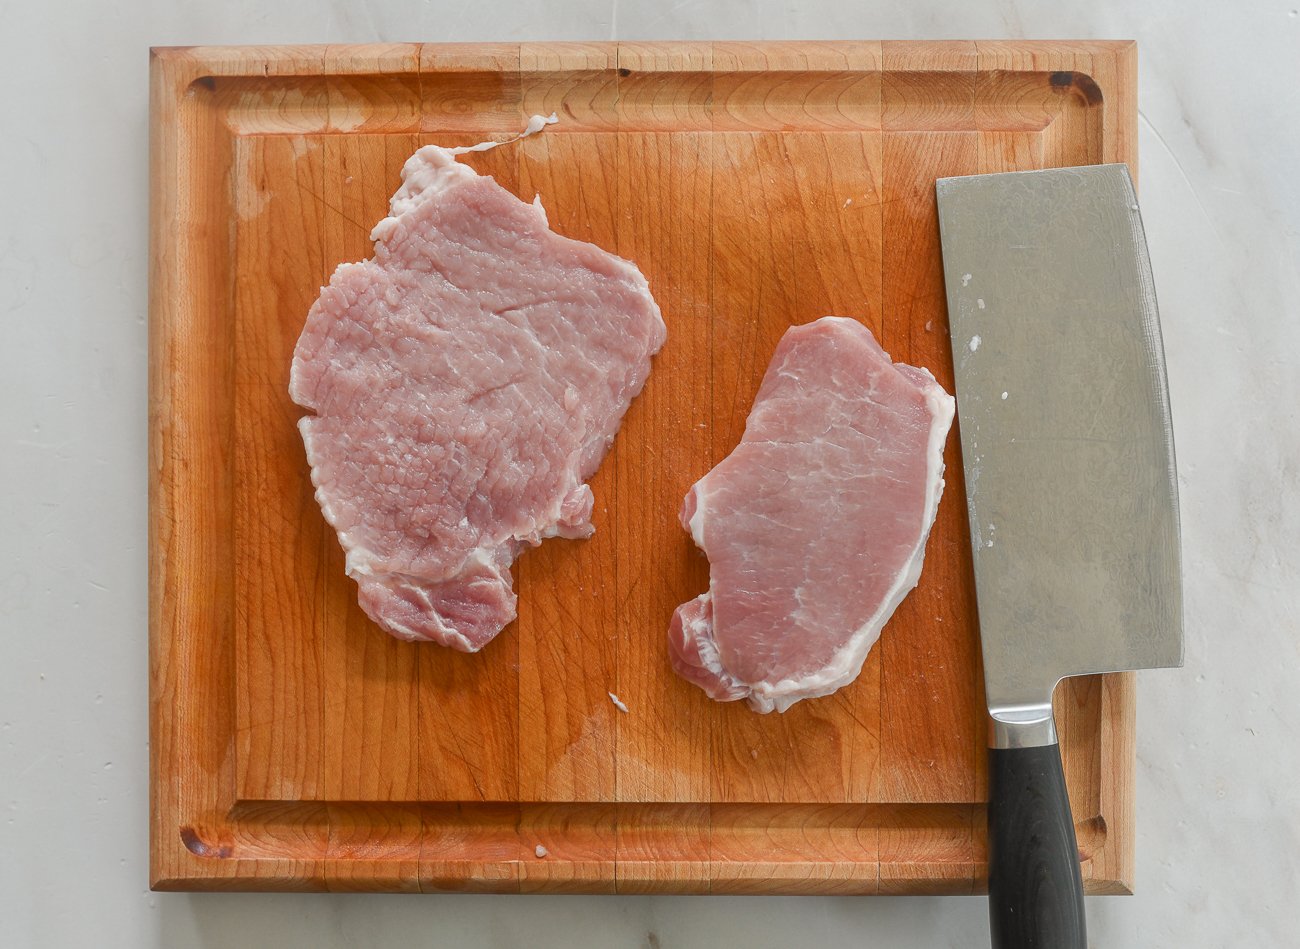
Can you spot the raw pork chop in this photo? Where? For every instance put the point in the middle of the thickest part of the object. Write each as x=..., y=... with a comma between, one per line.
x=815, y=526
x=466, y=381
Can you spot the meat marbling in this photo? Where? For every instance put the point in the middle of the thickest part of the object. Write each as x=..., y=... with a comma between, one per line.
x=815, y=525
x=465, y=382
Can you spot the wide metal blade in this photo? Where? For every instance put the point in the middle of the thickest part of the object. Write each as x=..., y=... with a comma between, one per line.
x=1065, y=432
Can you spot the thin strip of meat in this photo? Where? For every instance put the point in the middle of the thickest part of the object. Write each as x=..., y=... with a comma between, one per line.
x=464, y=383
x=815, y=525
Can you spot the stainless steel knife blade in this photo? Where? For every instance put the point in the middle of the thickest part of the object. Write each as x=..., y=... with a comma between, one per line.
x=1063, y=407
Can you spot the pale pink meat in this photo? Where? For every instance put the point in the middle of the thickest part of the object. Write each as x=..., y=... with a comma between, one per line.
x=465, y=382
x=815, y=525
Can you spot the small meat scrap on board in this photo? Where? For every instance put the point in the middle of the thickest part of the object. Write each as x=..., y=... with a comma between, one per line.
x=464, y=383
x=815, y=525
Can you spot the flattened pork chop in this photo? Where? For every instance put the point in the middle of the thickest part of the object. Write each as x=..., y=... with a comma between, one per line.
x=815, y=526
x=465, y=383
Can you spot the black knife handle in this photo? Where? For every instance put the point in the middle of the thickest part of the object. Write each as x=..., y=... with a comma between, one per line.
x=1035, y=888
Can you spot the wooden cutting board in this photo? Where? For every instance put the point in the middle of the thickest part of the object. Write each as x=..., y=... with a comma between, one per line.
x=296, y=746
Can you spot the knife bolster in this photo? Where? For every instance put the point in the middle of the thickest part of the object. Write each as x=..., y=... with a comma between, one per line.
x=1022, y=727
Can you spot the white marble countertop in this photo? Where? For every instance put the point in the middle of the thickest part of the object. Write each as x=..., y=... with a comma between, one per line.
x=1218, y=743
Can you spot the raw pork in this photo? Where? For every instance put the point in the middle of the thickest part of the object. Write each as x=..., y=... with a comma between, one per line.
x=466, y=381
x=815, y=526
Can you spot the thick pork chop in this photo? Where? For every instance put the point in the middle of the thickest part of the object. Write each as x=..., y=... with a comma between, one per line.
x=466, y=381
x=815, y=525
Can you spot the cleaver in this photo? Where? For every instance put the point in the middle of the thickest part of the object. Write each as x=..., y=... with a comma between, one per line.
x=1071, y=492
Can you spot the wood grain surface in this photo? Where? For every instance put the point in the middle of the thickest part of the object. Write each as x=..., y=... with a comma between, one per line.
x=296, y=746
